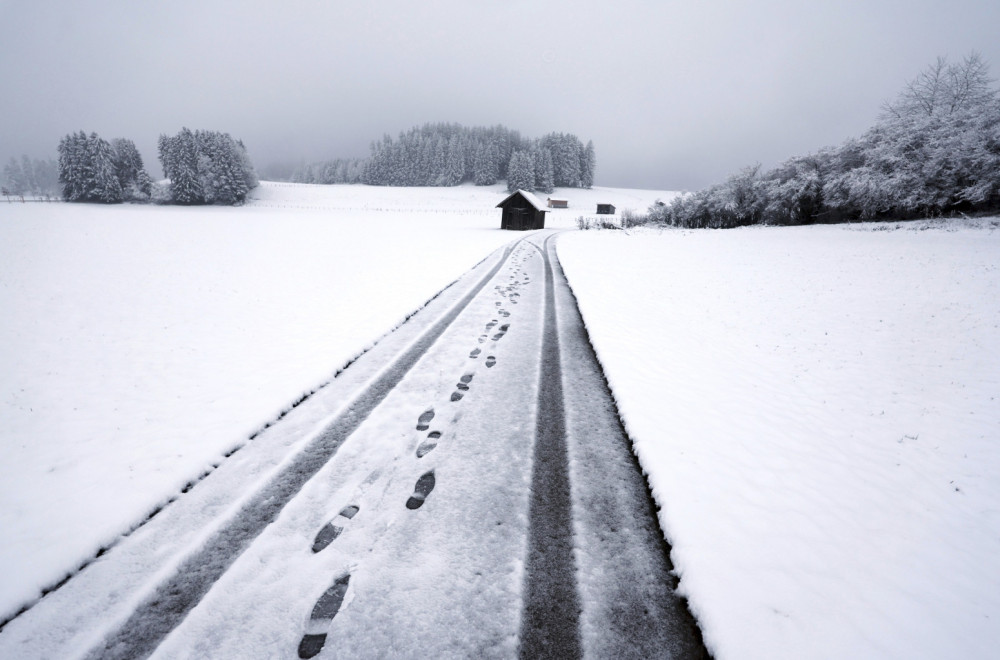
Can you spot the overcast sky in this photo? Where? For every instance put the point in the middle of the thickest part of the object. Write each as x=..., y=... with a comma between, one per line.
x=675, y=95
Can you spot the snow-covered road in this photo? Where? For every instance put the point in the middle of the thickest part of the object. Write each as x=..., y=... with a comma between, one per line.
x=464, y=489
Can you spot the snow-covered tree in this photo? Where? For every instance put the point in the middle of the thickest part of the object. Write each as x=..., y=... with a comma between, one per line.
x=521, y=172
x=543, y=170
x=945, y=89
x=486, y=165
x=132, y=176
x=206, y=167
x=87, y=169
x=179, y=156
x=105, y=186
x=588, y=162
x=935, y=150
x=448, y=154
x=14, y=179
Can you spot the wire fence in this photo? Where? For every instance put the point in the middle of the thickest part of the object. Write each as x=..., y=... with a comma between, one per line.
x=24, y=199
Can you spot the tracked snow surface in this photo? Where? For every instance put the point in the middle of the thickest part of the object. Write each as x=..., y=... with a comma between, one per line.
x=420, y=517
x=178, y=586
x=816, y=409
x=819, y=412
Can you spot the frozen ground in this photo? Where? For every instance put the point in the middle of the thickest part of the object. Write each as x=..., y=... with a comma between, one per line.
x=140, y=344
x=817, y=407
x=819, y=410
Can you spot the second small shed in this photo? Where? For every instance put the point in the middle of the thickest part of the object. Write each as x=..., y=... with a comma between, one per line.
x=522, y=210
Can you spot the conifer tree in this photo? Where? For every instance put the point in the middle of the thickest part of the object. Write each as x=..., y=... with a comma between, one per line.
x=206, y=167
x=13, y=178
x=520, y=172
x=182, y=169
x=588, y=162
x=87, y=170
x=543, y=170
x=28, y=175
x=132, y=176
x=105, y=186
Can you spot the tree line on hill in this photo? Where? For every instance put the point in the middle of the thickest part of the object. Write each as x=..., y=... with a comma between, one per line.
x=935, y=150
x=203, y=167
x=451, y=154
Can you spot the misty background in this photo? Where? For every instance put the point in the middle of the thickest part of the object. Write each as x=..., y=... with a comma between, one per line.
x=674, y=95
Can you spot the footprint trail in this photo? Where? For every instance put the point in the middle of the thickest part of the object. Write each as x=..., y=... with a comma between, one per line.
x=332, y=529
x=425, y=484
x=322, y=615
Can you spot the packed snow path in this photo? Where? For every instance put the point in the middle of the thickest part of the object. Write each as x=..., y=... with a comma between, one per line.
x=465, y=489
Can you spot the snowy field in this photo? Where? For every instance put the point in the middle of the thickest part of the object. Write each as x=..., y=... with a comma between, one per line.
x=819, y=409
x=139, y=344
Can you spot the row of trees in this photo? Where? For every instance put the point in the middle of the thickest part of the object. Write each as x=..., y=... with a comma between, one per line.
x=206, y=167
x=555, y=160
x=92, y=169
x=25, y=176
x=935, y=150
x=450, y=154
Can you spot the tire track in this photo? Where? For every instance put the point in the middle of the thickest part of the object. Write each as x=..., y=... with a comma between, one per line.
x=632, y=608
x=160, y=612
x=550, y=618
x=621, y=601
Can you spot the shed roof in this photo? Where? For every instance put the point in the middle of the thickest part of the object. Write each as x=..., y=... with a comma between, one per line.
x=534, y=201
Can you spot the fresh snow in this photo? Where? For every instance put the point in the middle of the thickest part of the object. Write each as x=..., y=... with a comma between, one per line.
x=816, y=408
x=819, y=410
x=139, y=344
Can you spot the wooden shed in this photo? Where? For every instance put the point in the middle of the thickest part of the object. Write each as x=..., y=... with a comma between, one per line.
x=605, y=209
x=558, y=203
x=522, y=210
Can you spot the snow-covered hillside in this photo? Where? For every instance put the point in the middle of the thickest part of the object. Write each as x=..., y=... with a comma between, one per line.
x=139, y=344
x=819, y=411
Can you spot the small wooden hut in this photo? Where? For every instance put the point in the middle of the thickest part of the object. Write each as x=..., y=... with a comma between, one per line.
x=605, y=209
x=522, y=210
x=558, y=203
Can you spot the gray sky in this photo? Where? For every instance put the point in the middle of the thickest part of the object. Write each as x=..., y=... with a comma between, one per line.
x=675, y=95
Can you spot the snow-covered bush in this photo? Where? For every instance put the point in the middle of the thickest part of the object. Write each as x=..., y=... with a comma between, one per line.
x=631, y=218
x=935, y=150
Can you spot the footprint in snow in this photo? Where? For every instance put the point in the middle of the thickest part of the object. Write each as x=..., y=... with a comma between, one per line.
x=474, y=354
x=322, y=616
x=463, y=386
x=332, y=529
x=423, y=422
x=428, y=445
x=503, y=331
x=425, y=484
x=490, y=361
